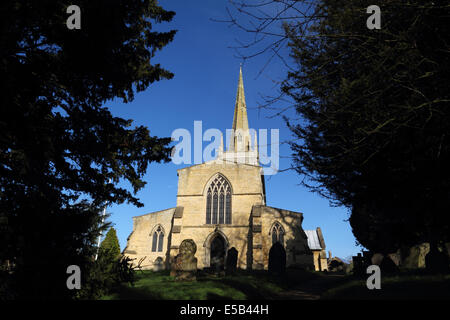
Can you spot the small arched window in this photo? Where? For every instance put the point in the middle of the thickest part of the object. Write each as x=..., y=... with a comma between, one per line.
x=158, y=240
x=218, y=202
x=277, y=234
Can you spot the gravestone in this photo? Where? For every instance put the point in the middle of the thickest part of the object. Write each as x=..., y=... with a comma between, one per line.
x=231, y=262
x=415, y=256
x=184, y=267
x=158, y=264
x=277, y=259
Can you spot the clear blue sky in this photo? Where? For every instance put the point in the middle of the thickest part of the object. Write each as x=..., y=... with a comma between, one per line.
x=204, y=88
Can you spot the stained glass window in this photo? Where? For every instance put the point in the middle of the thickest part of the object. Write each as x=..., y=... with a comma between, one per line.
x=218, y=201
x=228, y=208
x=277, y=233
x=214, y=212
x=158, y=240
x=208, y=207
x=221, y=204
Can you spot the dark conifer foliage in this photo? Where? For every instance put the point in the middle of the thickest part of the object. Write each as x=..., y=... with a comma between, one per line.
x=110, y=245
x=375, y=110
x=61, y=151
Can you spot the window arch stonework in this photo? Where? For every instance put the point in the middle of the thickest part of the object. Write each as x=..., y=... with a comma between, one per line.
x=277, y=233
x=218, y=201
x=158, y=239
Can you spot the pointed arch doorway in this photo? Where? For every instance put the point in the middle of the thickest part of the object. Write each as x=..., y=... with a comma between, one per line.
x=217, y=253
x=216, y=246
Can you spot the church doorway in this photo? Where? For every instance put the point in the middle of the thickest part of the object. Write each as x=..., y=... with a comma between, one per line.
x=217, y=253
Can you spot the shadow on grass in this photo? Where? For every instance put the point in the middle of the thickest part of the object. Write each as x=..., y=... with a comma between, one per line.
x=125, y=292
x=259, y=284
x=398, y=287
x=248, y=285
x=213, y=296
x=251, y=292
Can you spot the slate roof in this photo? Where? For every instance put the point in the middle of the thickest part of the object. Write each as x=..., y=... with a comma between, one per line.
x=313, y=240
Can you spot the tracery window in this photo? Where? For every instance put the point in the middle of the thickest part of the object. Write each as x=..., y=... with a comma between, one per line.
x=218, y=201
x=158, y=240
x=277, y=234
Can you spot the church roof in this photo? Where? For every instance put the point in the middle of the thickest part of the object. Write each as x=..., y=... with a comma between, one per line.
x=155, y=212
x=313, y=240
x=225, y=161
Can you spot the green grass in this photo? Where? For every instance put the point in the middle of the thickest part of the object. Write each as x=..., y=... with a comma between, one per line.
x=260, y=285
x=241, y=286
x=403, y=286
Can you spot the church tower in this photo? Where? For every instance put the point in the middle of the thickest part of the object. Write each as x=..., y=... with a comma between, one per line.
x=240, y=148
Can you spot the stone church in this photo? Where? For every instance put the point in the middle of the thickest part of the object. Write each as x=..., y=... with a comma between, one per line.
x=221, y=205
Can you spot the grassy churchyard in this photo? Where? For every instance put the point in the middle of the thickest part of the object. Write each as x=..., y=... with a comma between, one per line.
x=242, y=285
x=295, y=284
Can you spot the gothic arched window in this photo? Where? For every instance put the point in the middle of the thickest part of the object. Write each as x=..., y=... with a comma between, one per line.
x=277, y=234
x=218, y=201
x=158, y=240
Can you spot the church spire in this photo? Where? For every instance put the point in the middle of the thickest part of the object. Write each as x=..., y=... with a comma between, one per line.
x=240, y=148
x=240, y=140
x=240, y=120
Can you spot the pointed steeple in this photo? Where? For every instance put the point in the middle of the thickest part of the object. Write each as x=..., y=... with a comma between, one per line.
x=240, y=140
x=240, y=148
x=240, y=120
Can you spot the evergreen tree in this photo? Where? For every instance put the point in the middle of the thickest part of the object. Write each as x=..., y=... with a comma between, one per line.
x=375, y=129
x=59, y=144
x=372, y=126
x=110, y=244
x=108, y=271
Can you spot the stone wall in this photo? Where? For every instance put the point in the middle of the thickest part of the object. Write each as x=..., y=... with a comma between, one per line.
x=249, y=233
x=139, y=243
x=247, y=190
x=295, y=241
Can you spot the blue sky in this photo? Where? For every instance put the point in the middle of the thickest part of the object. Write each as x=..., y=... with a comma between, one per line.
x=204, y=88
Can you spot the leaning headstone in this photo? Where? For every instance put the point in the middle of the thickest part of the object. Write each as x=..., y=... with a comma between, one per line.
x=415, y=257
x=184, y=267
x=231, y=263
x=277, y=259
